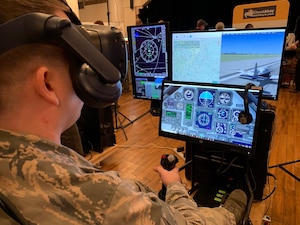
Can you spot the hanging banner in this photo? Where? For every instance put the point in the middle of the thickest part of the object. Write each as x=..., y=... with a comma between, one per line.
x=261, y=15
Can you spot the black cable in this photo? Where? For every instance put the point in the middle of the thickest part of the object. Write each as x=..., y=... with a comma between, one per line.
x=229, y=165
x=108, y=13
x=91, y=156
x=90, y=151
x=221, y=163
x=253, y=179
x=275, y=184
x=250, y=200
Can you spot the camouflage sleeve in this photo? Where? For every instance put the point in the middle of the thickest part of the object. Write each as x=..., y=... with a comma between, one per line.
x=68, y=190
x=178, y=197
x=138, y=204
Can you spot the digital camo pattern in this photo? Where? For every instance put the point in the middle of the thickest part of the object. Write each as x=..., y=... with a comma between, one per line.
x=51, y=184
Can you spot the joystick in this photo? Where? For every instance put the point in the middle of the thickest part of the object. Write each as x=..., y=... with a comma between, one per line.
x=168, y=162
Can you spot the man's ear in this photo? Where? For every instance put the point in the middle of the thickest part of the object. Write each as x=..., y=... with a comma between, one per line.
x=43, y=85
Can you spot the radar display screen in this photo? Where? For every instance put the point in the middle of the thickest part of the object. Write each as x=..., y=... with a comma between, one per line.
x=149, y=48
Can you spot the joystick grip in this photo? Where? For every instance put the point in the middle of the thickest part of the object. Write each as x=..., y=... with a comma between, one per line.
x=168, y=162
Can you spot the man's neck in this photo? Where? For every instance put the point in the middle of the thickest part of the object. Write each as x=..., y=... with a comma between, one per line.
x=30, y=126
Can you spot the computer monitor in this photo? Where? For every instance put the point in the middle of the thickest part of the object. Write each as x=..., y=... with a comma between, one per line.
x=149, y=58
x=230, y=57
x=209, y=114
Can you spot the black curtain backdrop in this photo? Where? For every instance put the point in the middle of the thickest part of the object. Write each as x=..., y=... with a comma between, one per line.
x=183, y=15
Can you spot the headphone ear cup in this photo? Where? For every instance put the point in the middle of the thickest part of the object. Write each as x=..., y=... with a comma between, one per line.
x=91, y=90
x=245, y=117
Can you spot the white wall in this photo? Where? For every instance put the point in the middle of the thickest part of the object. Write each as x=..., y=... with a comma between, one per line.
x=120, y=13
x=74, y=5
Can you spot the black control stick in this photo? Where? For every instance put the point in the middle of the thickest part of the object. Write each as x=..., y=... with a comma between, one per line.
x=168, y=162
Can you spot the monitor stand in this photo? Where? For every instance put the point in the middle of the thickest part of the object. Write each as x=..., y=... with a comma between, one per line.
x=155, y=108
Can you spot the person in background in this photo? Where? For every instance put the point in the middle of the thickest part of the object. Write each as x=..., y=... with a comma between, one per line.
x=249, y=26
x=43, y=182
x=138, y=21
x=296, y=47
x=297, y=43
x=201, y=24
x=100, y=22
x=220, y=26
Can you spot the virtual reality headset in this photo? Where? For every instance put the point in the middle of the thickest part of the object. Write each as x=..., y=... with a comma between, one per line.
x=96, y=79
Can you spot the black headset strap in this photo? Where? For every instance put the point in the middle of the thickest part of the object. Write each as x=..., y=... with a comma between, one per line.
x=10, y=209
x=72, y=16
x=73, y=39
x=44, y=28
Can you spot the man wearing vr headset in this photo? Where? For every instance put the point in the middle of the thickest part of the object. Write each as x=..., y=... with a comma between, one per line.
x=43, y=182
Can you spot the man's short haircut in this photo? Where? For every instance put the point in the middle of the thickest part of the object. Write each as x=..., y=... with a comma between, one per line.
x=18, y=58
x=220, y=26
x=10, y=9
x=201, y=22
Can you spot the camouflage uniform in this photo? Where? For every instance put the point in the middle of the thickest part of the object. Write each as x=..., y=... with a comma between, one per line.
x=52, y=184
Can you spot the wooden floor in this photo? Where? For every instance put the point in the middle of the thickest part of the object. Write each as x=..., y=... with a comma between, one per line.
x=136, y=156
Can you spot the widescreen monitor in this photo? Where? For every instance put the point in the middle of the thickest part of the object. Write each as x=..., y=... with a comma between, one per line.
x=230, y=57
x=149, y=58
x=209, y=114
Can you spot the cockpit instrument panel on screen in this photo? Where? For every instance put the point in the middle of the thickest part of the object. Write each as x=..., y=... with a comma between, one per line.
x=209, y=112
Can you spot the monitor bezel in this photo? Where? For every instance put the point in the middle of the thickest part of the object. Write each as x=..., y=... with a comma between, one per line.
x=166, y=24
x=265, y=97
x=215, y=144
